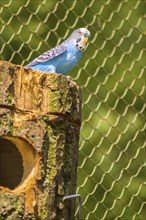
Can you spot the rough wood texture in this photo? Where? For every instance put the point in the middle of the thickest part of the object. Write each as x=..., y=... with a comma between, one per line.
x=40, y=115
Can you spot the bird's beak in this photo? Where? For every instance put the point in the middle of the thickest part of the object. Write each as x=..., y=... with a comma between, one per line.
x=85, y=40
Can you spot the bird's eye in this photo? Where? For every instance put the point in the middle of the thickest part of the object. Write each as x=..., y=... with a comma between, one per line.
x=86, y=34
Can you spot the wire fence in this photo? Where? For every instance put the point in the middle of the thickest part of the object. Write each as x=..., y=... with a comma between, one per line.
x=111, y=171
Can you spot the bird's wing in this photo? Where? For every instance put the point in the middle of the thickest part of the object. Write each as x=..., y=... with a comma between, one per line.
x=48, y=55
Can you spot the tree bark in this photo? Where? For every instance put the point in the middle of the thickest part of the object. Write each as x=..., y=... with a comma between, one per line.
x=40, y=115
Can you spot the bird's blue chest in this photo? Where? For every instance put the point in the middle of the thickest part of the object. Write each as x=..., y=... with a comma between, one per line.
x=67, y=61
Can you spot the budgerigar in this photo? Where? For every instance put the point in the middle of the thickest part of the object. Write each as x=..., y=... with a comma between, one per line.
x=65, y=56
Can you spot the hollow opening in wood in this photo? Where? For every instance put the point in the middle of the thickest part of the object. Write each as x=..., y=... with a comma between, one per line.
x=17, y=162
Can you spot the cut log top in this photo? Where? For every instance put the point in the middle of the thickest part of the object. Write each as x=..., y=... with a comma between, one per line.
x=36, y=92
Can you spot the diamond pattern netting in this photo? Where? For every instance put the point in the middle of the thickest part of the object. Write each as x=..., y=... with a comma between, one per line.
x=111, y=171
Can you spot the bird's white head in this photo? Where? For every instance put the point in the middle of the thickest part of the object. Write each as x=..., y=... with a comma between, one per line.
x=81, y=37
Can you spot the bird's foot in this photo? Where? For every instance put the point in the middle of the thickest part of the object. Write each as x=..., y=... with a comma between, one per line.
x=71, y=82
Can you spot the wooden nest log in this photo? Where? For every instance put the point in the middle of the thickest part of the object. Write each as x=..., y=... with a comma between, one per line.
x=40, y=116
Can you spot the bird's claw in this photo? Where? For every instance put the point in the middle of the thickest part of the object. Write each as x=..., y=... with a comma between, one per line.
x=70, y=80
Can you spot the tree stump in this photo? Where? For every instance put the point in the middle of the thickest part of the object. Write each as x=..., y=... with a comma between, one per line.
x=40, y=115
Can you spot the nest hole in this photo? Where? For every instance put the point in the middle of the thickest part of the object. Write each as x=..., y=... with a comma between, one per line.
x=17, y=162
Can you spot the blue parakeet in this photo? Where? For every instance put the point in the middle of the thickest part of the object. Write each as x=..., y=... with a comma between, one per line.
x=65, y=56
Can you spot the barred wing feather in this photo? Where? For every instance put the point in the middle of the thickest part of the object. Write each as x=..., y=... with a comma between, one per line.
x=48, y=55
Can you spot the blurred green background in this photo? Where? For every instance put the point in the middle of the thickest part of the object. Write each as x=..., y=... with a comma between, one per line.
x=111, y=171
